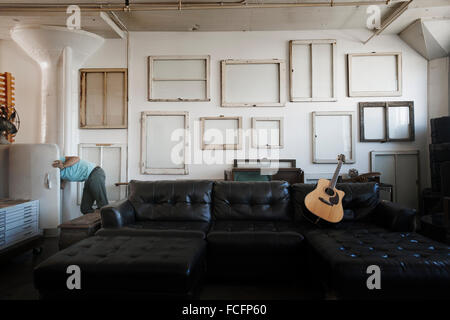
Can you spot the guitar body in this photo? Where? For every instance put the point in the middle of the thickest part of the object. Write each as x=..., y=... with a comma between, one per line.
x=325, y=203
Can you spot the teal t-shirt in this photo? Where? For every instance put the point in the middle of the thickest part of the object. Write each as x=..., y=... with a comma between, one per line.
x=80, y=171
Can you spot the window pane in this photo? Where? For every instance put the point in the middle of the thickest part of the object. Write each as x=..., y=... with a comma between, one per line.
x=112, y=166
x=115, y=98
x=94, y=98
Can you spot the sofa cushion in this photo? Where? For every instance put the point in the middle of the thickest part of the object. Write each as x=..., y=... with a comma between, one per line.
x=251, y=201
x=359, y=202
x=171, y=200
x=269, y=238
x=184, y=229
x=123, y=265
x=410, y=264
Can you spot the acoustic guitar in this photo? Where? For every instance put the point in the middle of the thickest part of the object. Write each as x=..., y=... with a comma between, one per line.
x=325, y=201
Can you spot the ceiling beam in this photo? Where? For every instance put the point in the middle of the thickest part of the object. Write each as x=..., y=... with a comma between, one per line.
x=109, y=21
x=391, y=18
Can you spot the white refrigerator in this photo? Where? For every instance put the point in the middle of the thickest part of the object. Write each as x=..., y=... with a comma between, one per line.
x=31, y=176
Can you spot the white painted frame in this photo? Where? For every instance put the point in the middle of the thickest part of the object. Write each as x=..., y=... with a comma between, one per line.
x=292, y=84
x=151, y=79
x=123, y=164
x=315, y=116
x=147, y=170
x=255, y=120
x=396, y=93
x=281, y=83
x=374, y=154
x=205, y=146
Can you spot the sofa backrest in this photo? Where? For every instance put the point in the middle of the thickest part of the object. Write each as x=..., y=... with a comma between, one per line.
x=251, y=200
x=359, y=201
x=188, y=200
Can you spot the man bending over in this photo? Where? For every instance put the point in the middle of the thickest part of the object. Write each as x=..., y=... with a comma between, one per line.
x=75, y=169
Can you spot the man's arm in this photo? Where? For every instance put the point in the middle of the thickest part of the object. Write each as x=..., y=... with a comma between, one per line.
x=70, y=161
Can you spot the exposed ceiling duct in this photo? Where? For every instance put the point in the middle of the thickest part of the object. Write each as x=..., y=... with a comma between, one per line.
x=431, y=38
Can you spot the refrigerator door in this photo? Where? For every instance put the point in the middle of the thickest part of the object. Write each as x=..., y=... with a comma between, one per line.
x=31, y=176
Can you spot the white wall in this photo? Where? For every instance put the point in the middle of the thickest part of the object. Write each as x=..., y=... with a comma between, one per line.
x=268, y=45
x=28, y=88
x=225, y=45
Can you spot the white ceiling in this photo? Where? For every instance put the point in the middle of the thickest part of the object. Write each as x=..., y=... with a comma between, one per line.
x=298, y=18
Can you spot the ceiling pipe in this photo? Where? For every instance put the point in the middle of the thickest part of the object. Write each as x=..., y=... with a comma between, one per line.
x=156, y=6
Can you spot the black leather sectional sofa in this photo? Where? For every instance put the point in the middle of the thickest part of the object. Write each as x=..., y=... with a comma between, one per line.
x=230, y=229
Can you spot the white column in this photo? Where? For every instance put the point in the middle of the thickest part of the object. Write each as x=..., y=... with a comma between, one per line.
x=60, y=52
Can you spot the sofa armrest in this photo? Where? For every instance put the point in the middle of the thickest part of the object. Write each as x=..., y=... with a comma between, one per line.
x=117, y=215
x=395, y=216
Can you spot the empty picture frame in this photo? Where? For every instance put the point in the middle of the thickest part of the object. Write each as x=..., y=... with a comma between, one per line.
x=386, y=121
x=178, y=78
x=333, y=134
x=164, y=139
x=103, y=98
x=312, y=70
x=253, y=83
x=267, y=132
x=375, y=74
x=221, y=133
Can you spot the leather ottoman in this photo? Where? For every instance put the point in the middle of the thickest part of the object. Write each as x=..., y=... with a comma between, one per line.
x=126, y=267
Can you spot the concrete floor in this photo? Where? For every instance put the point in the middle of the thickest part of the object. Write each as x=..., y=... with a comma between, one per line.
x=16, y=282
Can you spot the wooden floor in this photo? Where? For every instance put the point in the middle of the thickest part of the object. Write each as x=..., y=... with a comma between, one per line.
x=16, y=282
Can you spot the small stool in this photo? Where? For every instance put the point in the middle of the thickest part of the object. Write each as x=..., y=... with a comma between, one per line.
x=126, y=267
x=78, y=229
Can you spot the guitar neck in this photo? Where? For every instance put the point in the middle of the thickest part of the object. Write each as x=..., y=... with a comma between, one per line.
x=336, y=175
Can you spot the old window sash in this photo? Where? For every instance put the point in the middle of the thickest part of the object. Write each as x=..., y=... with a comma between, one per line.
x=309, y=75
x=168, y=71
x=332, y=135
x=110, y=109
x=98, y=153
x=253, y=83
x=379, y=77
x=224, y=145
x=389, y=121
x=279, y=125
x=160, y=141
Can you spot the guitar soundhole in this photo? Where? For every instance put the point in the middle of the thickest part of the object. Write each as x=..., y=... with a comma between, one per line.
x=329, y=192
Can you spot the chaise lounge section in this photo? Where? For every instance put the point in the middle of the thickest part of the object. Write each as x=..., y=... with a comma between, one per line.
x=376, y=233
